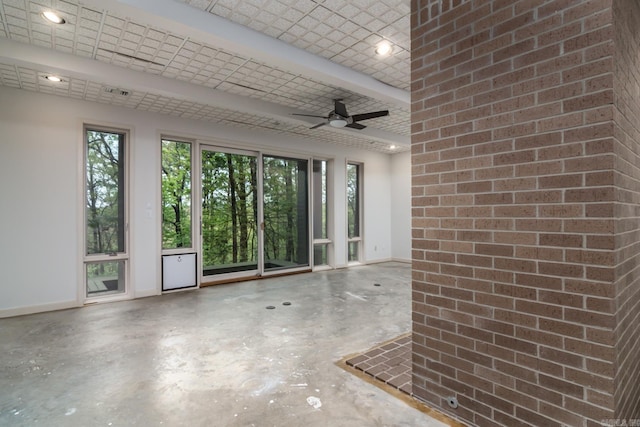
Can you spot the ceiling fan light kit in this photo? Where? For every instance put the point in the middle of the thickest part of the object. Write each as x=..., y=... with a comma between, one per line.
x=340, y=118
x=337, y=121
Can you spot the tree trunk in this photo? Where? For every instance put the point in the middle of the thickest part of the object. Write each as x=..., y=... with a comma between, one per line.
x=242, y=216
x=234, y=208
x=290, y=206
x=254, y=194
x=178, y=221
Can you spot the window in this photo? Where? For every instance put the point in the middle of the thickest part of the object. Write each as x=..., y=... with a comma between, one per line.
x=354, y=212
x=176, y=195
x=321, y=240
x=106, y=237
x=254, y=213
x=229, y=212
x=286, y=212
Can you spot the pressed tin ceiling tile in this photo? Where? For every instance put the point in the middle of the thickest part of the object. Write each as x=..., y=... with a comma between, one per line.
x=339, y=30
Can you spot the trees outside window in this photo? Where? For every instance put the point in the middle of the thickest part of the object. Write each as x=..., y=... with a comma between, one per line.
x=105, y=211
x=176, y=195
x=321, y=240
x=354, y=214
x=229, y=212
x=286, y=215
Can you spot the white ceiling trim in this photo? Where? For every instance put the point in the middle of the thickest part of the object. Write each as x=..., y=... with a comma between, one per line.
x=219, y=32
x=71, y=66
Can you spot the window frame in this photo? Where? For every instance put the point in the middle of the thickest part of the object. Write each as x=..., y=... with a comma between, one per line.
x=358, y=238
x=124, y=256
x=327, y=241
x=192, y=195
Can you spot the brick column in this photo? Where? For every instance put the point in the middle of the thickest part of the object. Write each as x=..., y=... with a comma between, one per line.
x=526, y=228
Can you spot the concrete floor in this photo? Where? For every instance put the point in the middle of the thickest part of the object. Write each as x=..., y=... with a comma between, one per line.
x=212, y=357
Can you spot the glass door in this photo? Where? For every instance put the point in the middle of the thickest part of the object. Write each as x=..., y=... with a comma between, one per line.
x=286, y=213
x=229, y=214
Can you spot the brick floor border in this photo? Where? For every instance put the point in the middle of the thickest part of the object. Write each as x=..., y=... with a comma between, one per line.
x=389, y=362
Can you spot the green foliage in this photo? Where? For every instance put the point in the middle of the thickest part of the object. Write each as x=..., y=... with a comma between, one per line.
x=229, y=209
x=353, y=200
x=105, y=192
x=285, y=211
x=176, y=194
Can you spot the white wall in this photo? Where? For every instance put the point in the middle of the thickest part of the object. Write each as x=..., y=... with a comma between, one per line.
x=401, y=206
x=41, y=192
x=377, y=209
x=38, y=199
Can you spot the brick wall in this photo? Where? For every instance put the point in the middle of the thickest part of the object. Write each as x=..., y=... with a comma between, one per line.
x=627, y=133
x=525, y=276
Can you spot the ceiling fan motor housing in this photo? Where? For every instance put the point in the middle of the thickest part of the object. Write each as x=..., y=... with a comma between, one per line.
x=339, y=117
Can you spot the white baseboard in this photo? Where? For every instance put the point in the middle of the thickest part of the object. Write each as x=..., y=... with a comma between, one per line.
x=32, y=309
x=378, y=261
x=146, y=294
x=402, y=260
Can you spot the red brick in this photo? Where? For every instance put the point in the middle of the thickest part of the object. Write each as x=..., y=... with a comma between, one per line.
x=524, y=229
x=513, y=77
x=538, y=55
x=538, y=392
x=560, y=33
x=535, y=418
x=591, y=38
x=516, y=318
x=591, y=100
x=562, y=386
x=515, y=184
x=563, y=151
x=514, y=23
x=561, y=269
x=562, y=328
x=539, y=253
x=562, y=240
x=581, y=72
x=539, y=309
x=537, y=84
x=538, y=140
x=589, y=318
x=562, y=357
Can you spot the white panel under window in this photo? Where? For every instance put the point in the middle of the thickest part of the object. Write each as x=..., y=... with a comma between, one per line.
x=178, y=271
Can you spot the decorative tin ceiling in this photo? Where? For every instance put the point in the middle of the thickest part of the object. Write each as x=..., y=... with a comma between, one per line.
x=264, y=58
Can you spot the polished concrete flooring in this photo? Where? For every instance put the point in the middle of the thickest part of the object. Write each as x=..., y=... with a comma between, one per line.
x=212, y=357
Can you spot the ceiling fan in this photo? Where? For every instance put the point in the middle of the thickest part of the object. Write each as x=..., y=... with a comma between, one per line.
x=339, y=118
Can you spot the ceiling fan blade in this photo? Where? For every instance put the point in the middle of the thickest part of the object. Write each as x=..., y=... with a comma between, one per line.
x=340, y=108
x=309, y=115
x=356, y=126
x=318, y=125
x=367, y=116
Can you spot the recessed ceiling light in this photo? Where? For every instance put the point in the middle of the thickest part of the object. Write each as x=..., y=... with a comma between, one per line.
x=53, y=17
x=384, y=48
x=54, y=79
x=392, y=147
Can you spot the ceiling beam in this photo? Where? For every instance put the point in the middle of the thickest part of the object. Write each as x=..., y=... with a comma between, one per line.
x=221, y=33
x=45, y=60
